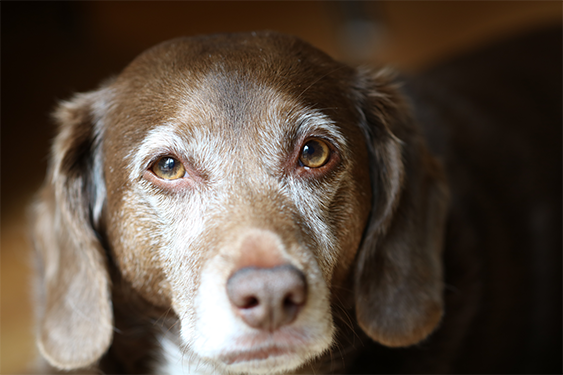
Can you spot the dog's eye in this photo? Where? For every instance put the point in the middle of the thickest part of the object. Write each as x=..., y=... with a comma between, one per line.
x=168, y=168
x=315, y=153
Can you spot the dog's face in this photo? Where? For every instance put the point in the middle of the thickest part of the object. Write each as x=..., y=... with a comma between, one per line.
x=244, y=189
x=234, y=180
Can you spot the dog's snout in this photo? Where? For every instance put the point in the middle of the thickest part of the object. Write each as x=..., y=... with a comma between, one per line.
x=267, y=298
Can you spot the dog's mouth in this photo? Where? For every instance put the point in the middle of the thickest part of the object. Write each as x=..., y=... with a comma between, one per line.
x=264, y=348
x=261, y=354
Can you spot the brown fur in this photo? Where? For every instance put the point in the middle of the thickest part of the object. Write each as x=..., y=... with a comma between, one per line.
x=106, y=230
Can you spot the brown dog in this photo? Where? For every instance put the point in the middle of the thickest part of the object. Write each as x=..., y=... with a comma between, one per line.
x=238, y=204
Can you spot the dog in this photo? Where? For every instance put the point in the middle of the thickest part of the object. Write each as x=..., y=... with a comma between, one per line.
x=244, y=204
x=227, y=179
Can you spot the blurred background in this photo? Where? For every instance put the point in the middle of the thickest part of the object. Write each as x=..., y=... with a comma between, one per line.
x=52, y=49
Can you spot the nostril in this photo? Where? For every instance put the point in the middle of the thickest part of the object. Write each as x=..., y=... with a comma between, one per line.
x=288, y=301
x=249, y=303
x=293, y=299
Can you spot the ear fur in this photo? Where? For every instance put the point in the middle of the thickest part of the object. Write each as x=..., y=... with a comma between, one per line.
x=398, y=278
x=75, y=318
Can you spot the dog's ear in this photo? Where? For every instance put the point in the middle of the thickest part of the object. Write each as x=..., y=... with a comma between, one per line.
x=398, y=278
x=75, y=321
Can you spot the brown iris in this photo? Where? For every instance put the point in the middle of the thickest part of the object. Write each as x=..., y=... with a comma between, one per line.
x=168, y=168
x=315, y=153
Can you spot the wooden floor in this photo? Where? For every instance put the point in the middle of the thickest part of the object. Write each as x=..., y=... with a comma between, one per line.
x=79, y=44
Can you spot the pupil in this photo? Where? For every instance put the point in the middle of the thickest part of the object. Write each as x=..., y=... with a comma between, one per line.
x=168, y=164
x=309, y=150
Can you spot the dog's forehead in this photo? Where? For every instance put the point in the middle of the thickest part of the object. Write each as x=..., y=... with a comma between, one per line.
x=231, y=72
x=280, y=58
x=234, y=86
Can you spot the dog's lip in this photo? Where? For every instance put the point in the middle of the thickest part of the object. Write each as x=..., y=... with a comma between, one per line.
x=254, y=354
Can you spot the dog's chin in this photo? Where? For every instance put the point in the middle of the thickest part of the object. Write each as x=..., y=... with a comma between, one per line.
x=256, y=355
x=262, y=361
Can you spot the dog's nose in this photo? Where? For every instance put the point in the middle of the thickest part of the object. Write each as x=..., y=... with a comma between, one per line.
x=267, y=298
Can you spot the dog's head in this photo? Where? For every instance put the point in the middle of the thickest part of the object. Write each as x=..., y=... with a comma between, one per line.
x=240, y=180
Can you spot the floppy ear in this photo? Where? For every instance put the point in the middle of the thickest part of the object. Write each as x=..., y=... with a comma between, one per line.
x=75, y=318
x=398, y=279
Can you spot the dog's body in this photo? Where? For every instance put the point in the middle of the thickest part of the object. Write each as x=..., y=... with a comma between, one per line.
x=244, y=204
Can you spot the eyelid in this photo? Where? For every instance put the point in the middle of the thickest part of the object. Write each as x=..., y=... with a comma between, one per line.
x=156, y=155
